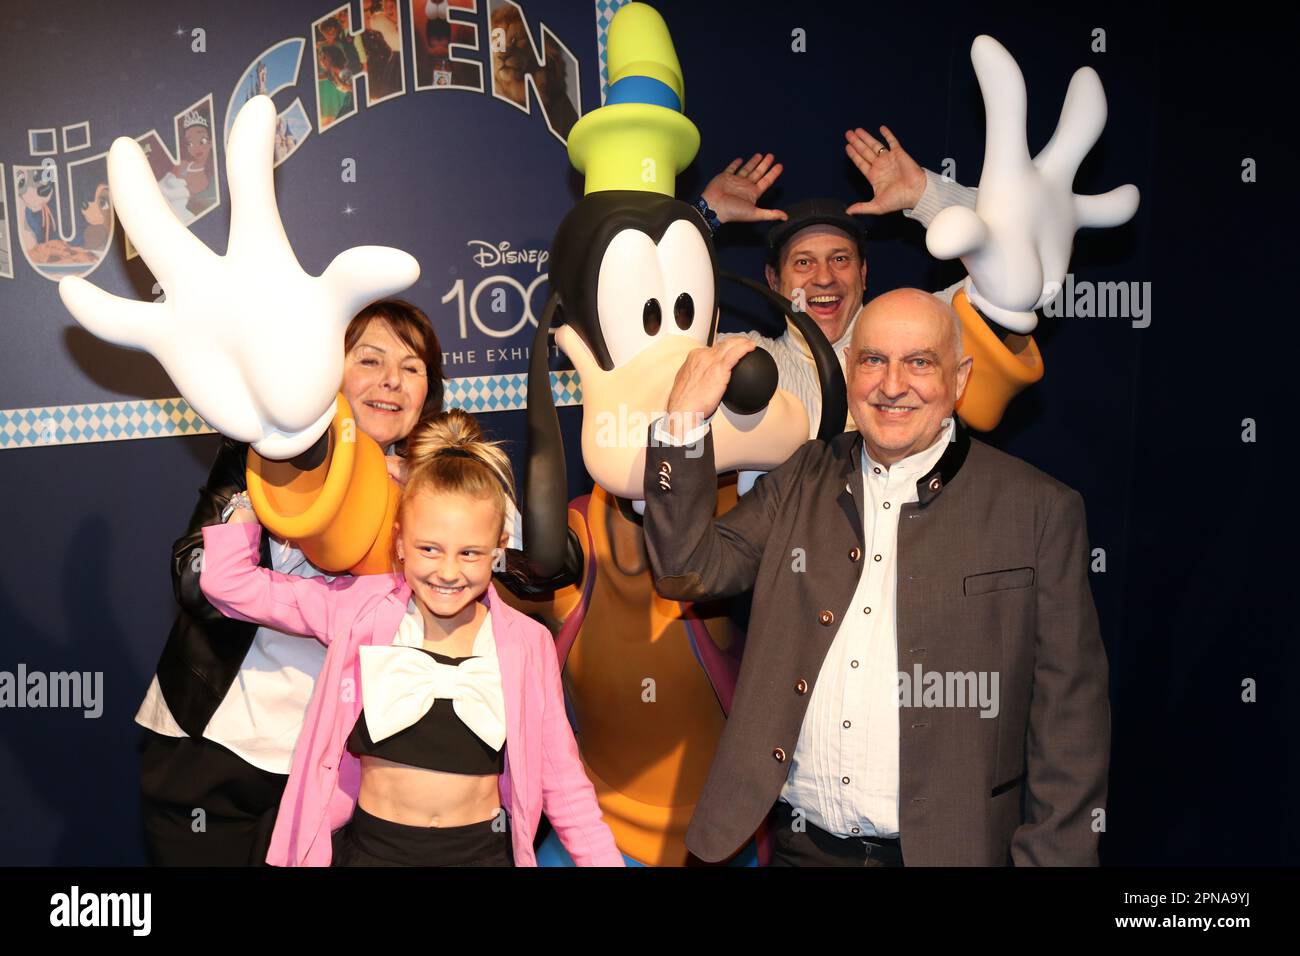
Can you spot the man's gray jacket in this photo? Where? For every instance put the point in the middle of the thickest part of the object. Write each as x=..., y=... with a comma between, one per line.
x=992, y=576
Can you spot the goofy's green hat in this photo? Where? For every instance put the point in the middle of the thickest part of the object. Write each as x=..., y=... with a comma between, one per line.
x=639, y=139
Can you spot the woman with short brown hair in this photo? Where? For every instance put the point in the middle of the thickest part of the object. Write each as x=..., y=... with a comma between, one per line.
x=223, y=712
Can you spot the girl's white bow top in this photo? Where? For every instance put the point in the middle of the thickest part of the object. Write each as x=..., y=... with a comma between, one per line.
x=399, y=683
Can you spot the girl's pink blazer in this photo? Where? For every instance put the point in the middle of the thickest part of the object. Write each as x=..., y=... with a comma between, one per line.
x=542, y=769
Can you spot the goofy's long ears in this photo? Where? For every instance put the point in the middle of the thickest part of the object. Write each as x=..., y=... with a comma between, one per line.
x=835, y=402
x=551, y=554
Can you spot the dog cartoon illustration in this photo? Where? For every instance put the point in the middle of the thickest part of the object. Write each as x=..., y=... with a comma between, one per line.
x=98, y=215
x=34, y=188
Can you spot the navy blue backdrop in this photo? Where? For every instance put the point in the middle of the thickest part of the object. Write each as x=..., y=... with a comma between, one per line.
x=1146, y=422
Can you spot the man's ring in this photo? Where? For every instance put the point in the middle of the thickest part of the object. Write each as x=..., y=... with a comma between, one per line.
x=881, y=150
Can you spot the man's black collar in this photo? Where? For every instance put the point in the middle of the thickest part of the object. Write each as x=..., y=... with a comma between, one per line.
x=929, y=485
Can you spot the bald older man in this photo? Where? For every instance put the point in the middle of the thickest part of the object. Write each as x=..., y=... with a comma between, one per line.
x=923, y=679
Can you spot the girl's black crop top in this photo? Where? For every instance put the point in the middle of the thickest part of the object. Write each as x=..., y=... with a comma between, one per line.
x=437, y=741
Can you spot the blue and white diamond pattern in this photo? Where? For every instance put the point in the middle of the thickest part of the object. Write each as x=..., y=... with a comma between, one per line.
x=605, y=10
x=169, y=417
x=109, y=421
x=505, y=393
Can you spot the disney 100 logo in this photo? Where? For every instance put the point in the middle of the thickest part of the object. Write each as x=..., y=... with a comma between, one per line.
x=468, y=301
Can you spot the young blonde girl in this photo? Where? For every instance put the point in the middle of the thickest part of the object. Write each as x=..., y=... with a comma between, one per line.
x=437, y=733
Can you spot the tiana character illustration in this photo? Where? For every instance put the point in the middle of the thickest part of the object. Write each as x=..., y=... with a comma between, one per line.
x=190, y=185
x=197, y=166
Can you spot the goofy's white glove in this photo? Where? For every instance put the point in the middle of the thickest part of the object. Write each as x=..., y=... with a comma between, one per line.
x=1016, y=243
x=250, y=340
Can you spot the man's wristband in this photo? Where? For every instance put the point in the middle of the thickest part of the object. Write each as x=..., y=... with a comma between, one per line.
x=710, y=217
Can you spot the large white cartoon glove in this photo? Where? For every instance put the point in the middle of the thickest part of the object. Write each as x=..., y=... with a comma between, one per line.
x=250, y=340
x=1016, y=243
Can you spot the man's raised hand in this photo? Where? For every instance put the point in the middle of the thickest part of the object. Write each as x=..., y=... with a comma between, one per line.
x=734, y=193
x=896, y=179
x=701, y=382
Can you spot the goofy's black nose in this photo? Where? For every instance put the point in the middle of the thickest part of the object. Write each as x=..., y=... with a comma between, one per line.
x=753, y=383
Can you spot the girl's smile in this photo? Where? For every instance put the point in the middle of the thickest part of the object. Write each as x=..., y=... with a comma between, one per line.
x=446, y=542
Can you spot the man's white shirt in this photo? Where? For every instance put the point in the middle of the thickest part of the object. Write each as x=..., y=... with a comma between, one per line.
x=844, y=772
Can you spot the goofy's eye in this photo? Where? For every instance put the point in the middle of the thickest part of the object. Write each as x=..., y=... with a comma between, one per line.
x=684, y=311
x=688, y=280
x=652, y=317
x=648, y=291
x=630, y=296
